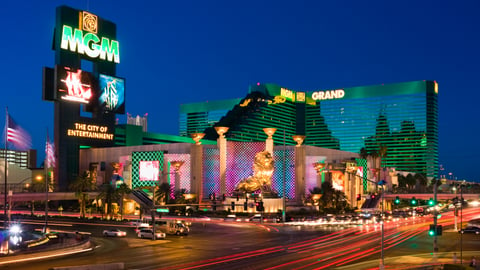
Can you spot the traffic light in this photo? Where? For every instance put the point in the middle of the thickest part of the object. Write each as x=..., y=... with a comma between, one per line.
x=397, y=200
x=245, y=206
x=260, y=205
x=432, y=231
x=214, y=206
x=359, y=197
x=257, y=206
x=372, y=196
x=224, y=197
x=233, y=206
x=413, y=201
x=431, y=202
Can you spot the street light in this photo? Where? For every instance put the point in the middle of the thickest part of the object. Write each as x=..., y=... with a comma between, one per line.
x=382, y=184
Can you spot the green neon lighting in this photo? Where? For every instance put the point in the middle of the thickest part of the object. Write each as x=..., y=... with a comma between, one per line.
x=90, y=45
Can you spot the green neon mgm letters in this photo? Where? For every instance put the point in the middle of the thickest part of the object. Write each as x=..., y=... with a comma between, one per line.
x=90, y=45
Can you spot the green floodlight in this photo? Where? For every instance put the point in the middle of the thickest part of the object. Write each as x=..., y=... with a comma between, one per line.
x=397, y=200
x=413, y=201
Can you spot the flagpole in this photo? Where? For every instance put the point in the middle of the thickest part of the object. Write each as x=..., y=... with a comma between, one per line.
x=45, y=165
x=5, y=222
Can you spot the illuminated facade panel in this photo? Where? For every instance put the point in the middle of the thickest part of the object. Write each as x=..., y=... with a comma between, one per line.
x=183, y=173
x=240, y=158
x=146, y=168
x=211, y=171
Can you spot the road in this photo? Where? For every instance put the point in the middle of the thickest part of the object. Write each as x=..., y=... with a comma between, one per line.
x=230, y=245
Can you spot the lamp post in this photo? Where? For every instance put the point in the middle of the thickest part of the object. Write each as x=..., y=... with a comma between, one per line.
x=46, y=202
x=284, y=202
x=455, y=207
x=382, y=184
x=461, y=221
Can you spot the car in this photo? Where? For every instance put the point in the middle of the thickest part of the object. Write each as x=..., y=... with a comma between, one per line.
x=148, y=233
x=470, y=229
x=256, y=218
x=139, y=223
x=139, y=228
x=114, y=232
x=231, y=218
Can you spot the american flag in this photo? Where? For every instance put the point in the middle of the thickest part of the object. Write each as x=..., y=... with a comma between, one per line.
x=17, y=136
x=50, y=153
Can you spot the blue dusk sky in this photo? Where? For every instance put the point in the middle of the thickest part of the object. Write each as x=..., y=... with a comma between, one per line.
x=175, y=52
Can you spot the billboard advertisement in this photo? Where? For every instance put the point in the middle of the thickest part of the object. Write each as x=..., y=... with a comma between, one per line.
x=149, y=170
x=112, y=94
x=338, y=180
x=74, y=85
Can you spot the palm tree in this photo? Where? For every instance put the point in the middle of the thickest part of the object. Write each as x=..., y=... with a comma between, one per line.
x=81, y=186
x=108, y=195
x=422, y=182
x=327, y=194
x=402, y=182
x=410, y=180
x=123, y=190
x=163, y=193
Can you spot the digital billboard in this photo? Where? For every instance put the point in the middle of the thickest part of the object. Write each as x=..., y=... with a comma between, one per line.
x=338, y=180
x=149, y=170
x=112, y=93
x=74, y=85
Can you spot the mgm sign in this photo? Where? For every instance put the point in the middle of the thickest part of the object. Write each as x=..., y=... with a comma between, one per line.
x=84, y=87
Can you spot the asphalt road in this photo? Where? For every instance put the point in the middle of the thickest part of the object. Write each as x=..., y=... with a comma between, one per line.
x=220, y=245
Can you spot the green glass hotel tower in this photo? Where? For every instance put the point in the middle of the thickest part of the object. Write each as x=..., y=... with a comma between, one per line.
x=401, y=118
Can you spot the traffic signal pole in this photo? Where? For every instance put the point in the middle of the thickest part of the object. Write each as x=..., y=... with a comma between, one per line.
x=435, y=246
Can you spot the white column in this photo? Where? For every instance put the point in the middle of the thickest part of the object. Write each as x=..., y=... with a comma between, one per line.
x=222, y=145
x=269, y=141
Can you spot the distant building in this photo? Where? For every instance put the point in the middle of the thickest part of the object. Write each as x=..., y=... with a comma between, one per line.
x=23, y=159
x=138, y=121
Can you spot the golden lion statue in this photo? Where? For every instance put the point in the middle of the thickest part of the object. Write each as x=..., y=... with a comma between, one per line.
x=262, y=174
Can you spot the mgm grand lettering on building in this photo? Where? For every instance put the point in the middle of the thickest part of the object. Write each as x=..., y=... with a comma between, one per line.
x=88, y=42
x=90, y=131
x=328, y=94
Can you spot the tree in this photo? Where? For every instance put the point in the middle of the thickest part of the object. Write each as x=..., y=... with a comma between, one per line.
x=421, y=182
x=108, y=195
x=382, y=153
x=163, y=193
x=402, y=183
x=410, y=181
x=122, y=190
x=327, y=195
x=81, y=186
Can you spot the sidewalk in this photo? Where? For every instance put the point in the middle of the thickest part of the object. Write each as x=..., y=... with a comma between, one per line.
x=419, y=261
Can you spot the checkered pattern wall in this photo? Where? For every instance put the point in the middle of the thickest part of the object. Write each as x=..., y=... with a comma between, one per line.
x=184, y=171
x=287, y=164
x=144, y=156
x=363, y=163
x=240, y=158
x=211, y=171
